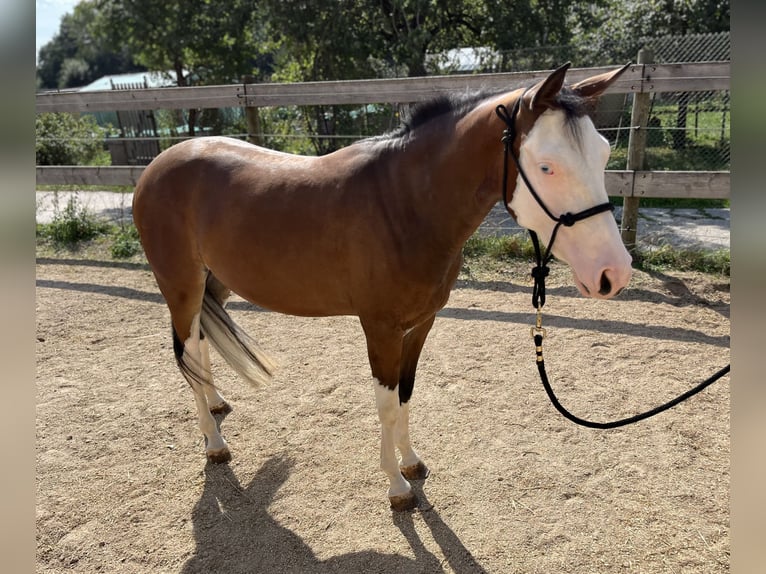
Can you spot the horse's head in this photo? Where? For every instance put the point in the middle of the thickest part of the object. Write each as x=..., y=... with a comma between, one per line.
x=563, y=158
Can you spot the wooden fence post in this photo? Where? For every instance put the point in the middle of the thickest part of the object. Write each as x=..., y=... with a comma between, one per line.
x=639, y=118
x=253, y=118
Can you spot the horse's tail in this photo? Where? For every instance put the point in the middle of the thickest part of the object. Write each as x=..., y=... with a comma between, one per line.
x=240, y=350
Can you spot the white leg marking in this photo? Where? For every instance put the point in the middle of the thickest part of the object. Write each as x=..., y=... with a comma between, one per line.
x=387, y=401
x=409, y=456
x=215, y=444
x=214, y=399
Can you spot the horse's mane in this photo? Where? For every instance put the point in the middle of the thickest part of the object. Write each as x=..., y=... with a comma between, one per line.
x=456, y=105
x=453, y=105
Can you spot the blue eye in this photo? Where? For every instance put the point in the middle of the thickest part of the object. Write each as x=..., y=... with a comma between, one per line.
x=546, y=169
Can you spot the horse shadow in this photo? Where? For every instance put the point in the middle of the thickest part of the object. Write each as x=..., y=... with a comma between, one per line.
x=235, y=533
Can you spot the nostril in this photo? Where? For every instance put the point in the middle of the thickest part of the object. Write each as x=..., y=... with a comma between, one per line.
x=606, y=285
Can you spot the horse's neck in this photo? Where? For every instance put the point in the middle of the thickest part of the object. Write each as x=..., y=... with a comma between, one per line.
x=463, y=169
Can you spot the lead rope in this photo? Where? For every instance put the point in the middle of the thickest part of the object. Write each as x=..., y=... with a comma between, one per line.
x=541, y=271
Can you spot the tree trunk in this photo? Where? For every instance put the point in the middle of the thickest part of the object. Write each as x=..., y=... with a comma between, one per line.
x=182, y=82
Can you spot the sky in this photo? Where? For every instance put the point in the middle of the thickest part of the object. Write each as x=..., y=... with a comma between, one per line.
x=48, y=15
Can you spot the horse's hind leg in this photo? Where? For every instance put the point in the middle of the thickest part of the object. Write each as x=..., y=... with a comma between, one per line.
x=184, y=299
x=411, y=465
x=215, y=401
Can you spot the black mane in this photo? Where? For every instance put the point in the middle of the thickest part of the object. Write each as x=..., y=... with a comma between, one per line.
x=456, y=105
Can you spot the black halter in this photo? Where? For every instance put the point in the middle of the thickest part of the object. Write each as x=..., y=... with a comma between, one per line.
x=541, y=270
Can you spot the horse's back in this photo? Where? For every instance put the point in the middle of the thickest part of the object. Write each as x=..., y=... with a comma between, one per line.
x=212, y=163
x=265, y=223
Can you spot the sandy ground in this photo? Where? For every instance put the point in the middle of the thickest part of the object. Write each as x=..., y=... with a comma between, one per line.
x=123, y=486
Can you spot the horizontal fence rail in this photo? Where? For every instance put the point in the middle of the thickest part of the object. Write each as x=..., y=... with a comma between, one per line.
x=637, y=79
x=621, y=183
x=643, y=78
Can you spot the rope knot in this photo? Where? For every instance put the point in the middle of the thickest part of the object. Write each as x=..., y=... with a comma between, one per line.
x=567, y=219
x=540, y=272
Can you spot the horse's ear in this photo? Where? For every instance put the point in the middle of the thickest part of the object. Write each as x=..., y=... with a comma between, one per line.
x=595, y=86
x=544, y=93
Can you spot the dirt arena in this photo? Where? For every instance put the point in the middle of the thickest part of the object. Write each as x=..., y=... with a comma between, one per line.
x=123, y=486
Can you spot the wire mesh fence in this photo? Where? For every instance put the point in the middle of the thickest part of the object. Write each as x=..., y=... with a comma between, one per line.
x=687, y=131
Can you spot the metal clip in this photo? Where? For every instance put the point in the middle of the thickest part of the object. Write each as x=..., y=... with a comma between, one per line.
x=538, y=329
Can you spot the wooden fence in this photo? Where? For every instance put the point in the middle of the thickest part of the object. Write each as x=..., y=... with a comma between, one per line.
x=642, y=78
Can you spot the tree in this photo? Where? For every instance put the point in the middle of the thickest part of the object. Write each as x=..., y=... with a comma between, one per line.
x=320, y=40
x=619, y=27
x=77, y=55
x=410, y=29
x=204, y=40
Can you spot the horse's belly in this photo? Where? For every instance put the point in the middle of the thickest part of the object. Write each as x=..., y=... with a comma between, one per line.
x=294, y=291
x=292, y=301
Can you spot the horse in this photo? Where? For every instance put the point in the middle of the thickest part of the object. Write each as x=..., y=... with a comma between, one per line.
x=373, y=230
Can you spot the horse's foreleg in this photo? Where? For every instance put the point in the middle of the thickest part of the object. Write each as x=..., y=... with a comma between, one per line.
x=384, y=347
x=194, y=362
x=399, y=491
x=412, y=466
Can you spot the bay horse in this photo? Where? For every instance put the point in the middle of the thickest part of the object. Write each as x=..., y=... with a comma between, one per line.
x=373, y=230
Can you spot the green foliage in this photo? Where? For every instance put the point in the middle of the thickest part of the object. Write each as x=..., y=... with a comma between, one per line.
x=71, y=225
x=210, y=40
x=667, y=257
x=691, y=158
x=486, y=251
x=616, y=29
x=201, y=41
x=206, y=42
x=65, y=139
x=74, y=72
x=683, y=136
x=126, y=243
x=77, y=55
x=498, y=247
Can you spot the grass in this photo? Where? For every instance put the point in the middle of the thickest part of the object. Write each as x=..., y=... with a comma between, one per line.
x=490, y=252
x=498, y=248
x=74, y=226
x=71, y=224
x=716, y=262
x=126, y=242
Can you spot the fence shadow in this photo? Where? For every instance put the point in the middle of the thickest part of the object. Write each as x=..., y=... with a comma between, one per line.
x=234, y=533
x=604, y=326
x=92, y=263
x=678, y=294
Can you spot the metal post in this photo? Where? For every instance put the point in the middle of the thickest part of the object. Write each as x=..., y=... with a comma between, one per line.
x=639, y=118
x=253, y=118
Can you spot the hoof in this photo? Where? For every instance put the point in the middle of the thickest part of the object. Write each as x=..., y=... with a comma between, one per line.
x=404, y=502
x=223, y=409
x=219, y=456
x=417, y=471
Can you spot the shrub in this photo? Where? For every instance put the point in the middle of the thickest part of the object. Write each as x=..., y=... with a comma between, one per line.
x=126, y=243
x=73, y=224
x=64, y=139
